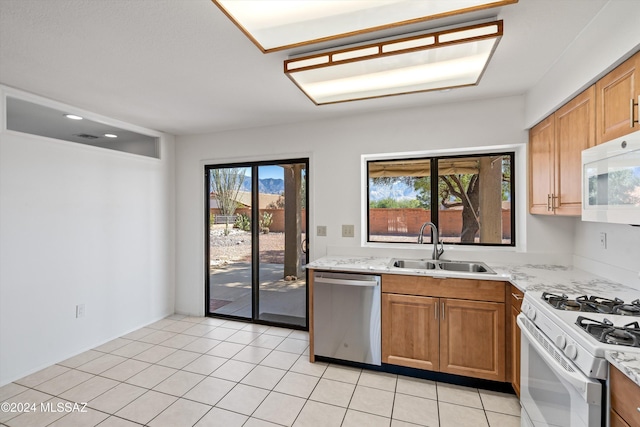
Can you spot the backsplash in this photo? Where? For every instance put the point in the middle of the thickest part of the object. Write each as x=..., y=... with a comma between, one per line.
x=619, y=261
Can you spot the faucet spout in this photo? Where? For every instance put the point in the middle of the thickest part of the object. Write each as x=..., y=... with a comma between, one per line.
x=435, y=239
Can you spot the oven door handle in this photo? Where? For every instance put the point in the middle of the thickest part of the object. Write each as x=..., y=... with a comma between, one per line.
x=591, y=390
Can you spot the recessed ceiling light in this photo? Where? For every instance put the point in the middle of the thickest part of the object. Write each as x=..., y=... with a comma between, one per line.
x=73, y=117
x=110, y=135
x=283, y=24
x=425, y=62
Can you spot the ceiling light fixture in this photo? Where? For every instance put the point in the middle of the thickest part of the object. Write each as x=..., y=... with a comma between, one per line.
x=425, y=62
x=283, y=24
x=73, y=117
x=110, y=135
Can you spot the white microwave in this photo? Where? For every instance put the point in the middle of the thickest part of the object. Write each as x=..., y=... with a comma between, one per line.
x=611, y=181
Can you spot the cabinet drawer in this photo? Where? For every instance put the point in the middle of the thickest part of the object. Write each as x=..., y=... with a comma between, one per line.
x=625, y=397
x=479, y=290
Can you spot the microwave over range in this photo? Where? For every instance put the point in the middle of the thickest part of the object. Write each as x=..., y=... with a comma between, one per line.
x=611, y=181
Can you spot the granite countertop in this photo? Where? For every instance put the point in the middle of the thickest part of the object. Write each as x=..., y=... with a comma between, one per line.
x=526, y=277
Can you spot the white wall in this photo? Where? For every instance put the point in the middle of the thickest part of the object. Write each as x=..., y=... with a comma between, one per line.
x=608, y=39
x=80, y=225
x=619, y=261
x=335, y=148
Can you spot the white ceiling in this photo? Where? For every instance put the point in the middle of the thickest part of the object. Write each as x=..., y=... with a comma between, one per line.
x=180, y=66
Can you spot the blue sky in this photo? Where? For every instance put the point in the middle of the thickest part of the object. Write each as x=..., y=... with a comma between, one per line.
x=268, y=172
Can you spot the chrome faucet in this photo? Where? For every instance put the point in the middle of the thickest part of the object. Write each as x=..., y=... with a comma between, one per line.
x=435, y=239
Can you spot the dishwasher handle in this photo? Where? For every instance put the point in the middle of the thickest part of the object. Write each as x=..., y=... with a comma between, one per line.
x=355, y=280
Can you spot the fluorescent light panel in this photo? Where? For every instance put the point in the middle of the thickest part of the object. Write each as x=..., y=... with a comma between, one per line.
x=282, y=24
x=434, y=61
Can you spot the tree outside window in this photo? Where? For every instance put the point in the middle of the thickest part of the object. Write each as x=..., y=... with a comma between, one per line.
x=473, y=198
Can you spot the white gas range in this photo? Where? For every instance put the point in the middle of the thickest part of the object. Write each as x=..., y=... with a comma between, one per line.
x=563, y=366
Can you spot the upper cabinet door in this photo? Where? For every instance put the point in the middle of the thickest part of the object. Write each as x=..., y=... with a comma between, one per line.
x=615, y=93
x=541, y=167
x=575, y=131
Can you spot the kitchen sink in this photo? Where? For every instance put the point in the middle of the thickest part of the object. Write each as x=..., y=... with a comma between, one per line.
x=471, y=267
x=457, y=266
x=414, y=263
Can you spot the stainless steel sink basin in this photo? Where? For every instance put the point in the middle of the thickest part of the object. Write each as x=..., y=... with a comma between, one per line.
x=414, y=263
x=457, y=266
x=471, y=267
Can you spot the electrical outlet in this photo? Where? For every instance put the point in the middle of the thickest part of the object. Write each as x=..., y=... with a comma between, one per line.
x=79, y=311
x=321, y=230
x=603, y=240
x=348, y=231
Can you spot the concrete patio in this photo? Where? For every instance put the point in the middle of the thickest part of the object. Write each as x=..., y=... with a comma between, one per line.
x=279, y=300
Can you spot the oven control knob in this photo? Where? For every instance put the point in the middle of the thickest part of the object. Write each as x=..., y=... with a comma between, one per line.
x=531, y=313
x=561, y=341
x=571, y=352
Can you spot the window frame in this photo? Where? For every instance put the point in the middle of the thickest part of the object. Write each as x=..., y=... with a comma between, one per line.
x=433, y=157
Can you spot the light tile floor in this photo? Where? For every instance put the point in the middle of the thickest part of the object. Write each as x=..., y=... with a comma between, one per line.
x=203, y=372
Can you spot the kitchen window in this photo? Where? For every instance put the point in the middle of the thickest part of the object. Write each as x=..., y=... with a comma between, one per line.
x=469, y=198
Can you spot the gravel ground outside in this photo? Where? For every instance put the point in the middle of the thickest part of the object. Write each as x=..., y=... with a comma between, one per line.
x=236, y=246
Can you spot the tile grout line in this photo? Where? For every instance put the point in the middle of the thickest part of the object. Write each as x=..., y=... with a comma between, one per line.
x=199, y=354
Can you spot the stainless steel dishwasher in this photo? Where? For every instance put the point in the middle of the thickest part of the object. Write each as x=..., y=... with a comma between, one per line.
x=346, y=316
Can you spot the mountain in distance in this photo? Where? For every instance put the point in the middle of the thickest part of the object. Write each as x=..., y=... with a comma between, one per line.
x=265, y=186
x=396, y=190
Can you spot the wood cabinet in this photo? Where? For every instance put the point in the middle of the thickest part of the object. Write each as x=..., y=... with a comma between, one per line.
x=455, y=326
x=541, y=166
x=555, y=156
x=617, y=97
x=616, y=421
x=513, y=337
x=625, y=399
x=402, y=342
x=609, y=109
x=472, y=338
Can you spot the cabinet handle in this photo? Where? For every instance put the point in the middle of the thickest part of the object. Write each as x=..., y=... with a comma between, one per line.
x=442, y=311
x=631, y=105
x=554, y=205
x=548, y=202
x=516, y=296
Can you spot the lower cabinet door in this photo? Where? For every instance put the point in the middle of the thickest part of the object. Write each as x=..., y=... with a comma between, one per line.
x=410, y=331
x=472, y=339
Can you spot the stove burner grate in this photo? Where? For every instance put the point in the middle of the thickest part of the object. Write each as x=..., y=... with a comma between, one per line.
x=592, y=304
x=606, y=332
x=631, y=309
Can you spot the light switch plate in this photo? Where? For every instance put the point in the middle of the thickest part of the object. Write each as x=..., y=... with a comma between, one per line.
x=348, y=231
x=321, y=230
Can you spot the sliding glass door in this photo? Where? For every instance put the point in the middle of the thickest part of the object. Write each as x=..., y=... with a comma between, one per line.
x=230, y=241
x=282, y=254
x=256, y=242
